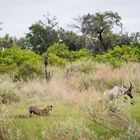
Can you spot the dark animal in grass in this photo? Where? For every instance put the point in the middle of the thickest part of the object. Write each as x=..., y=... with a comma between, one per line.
x=41, y=112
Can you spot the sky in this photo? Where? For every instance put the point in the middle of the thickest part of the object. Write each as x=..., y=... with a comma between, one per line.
x=18, y=15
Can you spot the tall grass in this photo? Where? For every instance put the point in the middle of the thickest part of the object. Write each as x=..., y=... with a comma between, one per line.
x=79, y=108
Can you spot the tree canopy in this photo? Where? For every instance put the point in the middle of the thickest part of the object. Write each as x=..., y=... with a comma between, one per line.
x=41, y=37
x=98, y=27
x=97, y=34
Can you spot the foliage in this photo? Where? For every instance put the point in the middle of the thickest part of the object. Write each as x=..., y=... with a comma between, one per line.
x=24, y=43
x=120, y=55
x=98, y=29
x=135, y=36
x=59, y=54
x=60, y=50
x=41, y=37
x=56, y=60
x=6, y=41
x=28, y=70
x=69, y=131
x=100, y=23
x=113, y=117
x=85, y=81
x=81, y=66
x=76, y=114
x=123, y=39
x=136, y=44
x=81, y=54
x=8, y=93
x=71, y=39
x=24, y=63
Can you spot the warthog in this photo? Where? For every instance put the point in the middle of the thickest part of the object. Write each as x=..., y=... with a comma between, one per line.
x=120, y=90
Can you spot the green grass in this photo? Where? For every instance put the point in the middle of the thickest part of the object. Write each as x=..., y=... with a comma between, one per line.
x=66, y=120
x=135, y=109
x=77, y=114
x=33, y=127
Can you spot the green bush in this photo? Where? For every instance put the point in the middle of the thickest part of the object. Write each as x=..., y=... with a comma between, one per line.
x=22, y=63
x=86, y=67
x=7, y=94
x=69, y=131
x=85, y=81
x=120, y=56
x=59, y=54
x=6, y=132
x=56, y=60
x=60, y=50
x=81, y=54
x=27, y=71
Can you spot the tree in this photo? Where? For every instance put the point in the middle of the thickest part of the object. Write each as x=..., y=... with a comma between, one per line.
x=42, y=35
x=135, y=36
x=124, y=39
x=127, y=39
x=23, y=43
x=6, y=41
x=98, y=28
x=71, y=39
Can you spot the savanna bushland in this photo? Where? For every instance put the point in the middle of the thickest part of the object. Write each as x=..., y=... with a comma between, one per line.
x=81, y=67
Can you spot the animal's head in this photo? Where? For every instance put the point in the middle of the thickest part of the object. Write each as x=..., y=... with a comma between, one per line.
x=128, y=90
x=49, y=107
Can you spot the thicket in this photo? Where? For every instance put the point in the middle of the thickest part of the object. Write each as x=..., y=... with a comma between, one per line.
x=120, y=55
x=59, y=54
x=8, y=91
x=21, y=64
x=25, y=64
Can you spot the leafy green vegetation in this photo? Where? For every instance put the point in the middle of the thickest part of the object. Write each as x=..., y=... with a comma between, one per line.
x=21, y=64
x=81, y=68
x=120, y=55
x=59, y=54
x=25, y=64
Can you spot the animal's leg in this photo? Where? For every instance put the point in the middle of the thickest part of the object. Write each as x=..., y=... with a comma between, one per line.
x=30, y=113
x=127, y=99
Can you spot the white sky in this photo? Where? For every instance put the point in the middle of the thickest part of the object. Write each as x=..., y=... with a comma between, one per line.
x=18, y=15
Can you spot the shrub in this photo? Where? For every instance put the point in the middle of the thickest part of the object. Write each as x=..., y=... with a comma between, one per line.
x=87, y=67
x=81, y=54
x=59, y=54
x=85, y=81
x=26, y=63
x=59, y=50
x=112, y=117
x=69, y=131
x=56, y=60
x=120, y=56
x=80, y=66
x=7, y=94
x=27, y=71
x=7, y=133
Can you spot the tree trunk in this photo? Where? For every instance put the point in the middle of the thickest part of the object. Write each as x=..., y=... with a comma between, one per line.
x=100, y=37
x=101, y=42
x=47, y=73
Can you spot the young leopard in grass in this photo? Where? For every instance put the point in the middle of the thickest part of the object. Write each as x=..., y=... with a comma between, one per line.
x=40, y=112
